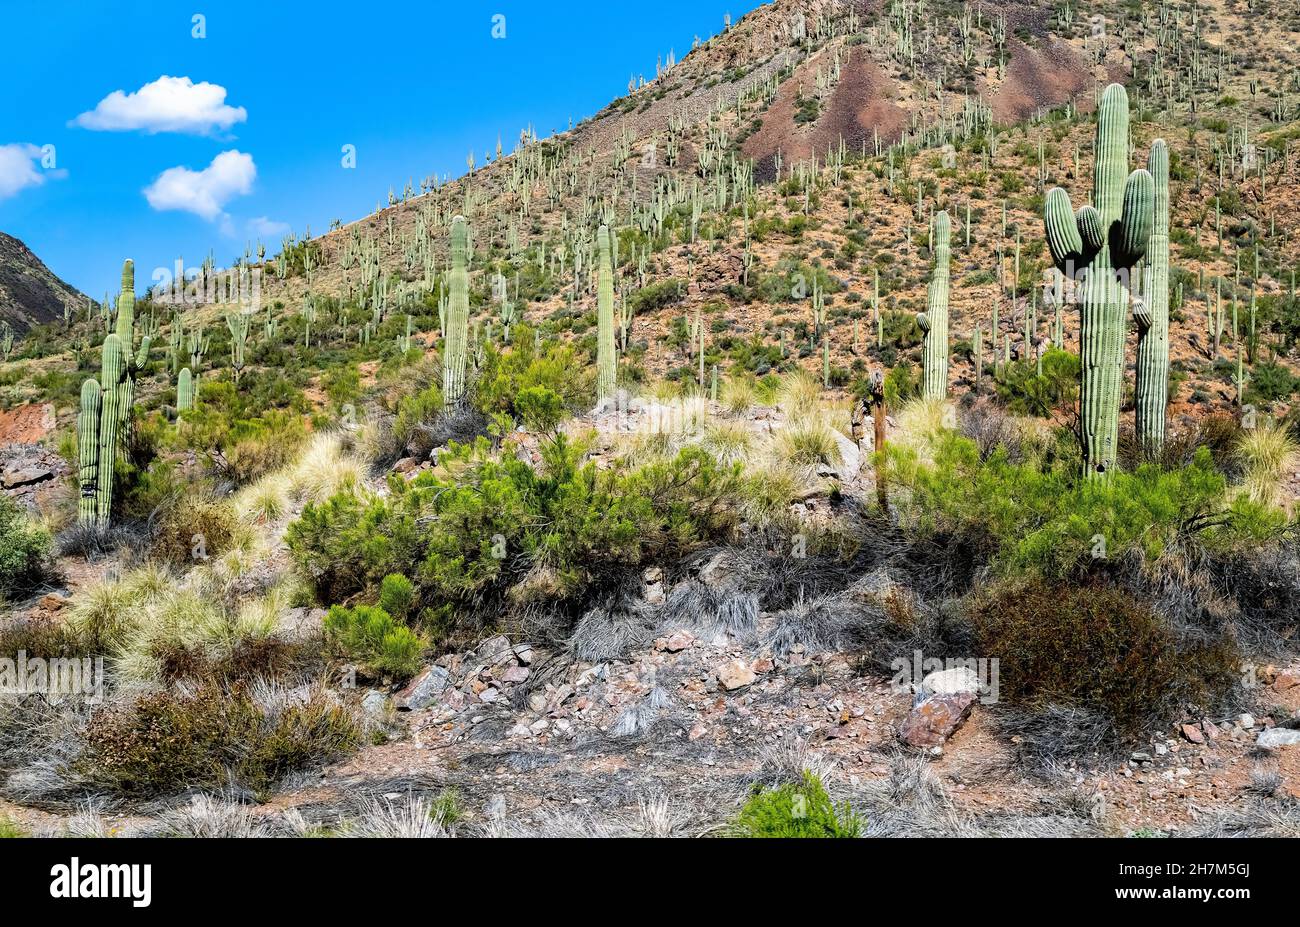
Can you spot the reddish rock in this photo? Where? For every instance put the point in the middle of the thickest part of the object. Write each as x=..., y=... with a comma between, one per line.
x=1193, y=733
x=1286, y=680
x=675, y=643
x=735, y=674
x=936, y=719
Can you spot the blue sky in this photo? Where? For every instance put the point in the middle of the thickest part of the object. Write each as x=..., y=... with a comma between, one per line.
x=153, y=169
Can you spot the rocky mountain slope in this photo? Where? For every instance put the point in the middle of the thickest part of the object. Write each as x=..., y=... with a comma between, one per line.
x=30, y=294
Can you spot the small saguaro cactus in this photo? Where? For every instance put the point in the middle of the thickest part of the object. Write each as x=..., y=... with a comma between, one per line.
x=1152, y=314
x=88, y=450
x=1098, y=246
x=456, y=343
x=184, y=390
x=934, y=321
x=606, y=372
x=112, y=381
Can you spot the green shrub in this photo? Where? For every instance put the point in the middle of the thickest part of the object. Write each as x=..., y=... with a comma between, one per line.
x=24, y=549
x=803, y=810
x=1040, y=517
x=1027, y=392
x=10, y=830
x=508, y=372
x=540, y=409
x=476, y=526
x=372, y=637
x=396, y=595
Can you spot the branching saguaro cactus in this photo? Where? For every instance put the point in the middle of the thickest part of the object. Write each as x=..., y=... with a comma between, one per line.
x=606, y=373
x=934, y=321
x=1152, y=314
x=457, y=334
x=238, y=323
x=1098, y=246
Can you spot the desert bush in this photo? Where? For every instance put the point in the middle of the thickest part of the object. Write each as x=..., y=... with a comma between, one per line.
x=1028, y=392
x=796, y=810
x=397, y=595
x=195, y=526
x=1096, y=647
x=24, y=549
x=373, y=638
x=507, y=372
x=476, y=526
x=1039, y=517
x=167, y=741
x=540, y=409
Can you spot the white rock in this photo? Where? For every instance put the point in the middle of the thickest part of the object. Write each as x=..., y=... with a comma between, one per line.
x=1276, y=737
x=951, y=681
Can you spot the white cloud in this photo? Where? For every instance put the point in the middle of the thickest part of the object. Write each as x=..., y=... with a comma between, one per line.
x=206, y=192
x=18, y=169
x=169, y=104
x=263, y=227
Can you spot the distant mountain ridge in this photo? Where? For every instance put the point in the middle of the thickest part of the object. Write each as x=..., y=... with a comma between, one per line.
x=30, y=293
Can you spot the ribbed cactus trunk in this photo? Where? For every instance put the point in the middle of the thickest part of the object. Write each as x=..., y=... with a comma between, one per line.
x=1098, y=246
x=184, y=390
x=125, y=330
x=112, y=379
x=934, y=321
x=606, y=372
x=88, y=451
x=1152, y=387
x=456, y=341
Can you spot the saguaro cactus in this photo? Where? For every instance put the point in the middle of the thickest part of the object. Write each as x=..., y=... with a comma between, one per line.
x=238, y=323
x=112, y=381
x=457, y=335
x=132, y=366
x=934, y=321
x=184, y=390
x=606, y=374
x=1152, y=314
x=1098, y=246
x=88, y=450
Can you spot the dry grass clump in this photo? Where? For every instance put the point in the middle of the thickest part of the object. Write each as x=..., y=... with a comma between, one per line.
x=1268, y=455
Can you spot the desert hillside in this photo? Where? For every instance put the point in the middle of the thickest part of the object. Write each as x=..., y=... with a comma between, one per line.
x=743, y=447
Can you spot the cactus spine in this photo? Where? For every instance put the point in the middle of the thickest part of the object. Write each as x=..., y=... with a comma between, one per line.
x=606, y=372
x=457, y=334
x=1098, y=246
x=934, y=321
x=1152, y=388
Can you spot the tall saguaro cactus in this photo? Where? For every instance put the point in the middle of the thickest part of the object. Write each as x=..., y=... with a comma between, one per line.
x=934, y=321
x=1152, y=314
x=1098, y=246
x=132, y=366
x=457, y=335
x=606, y=374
